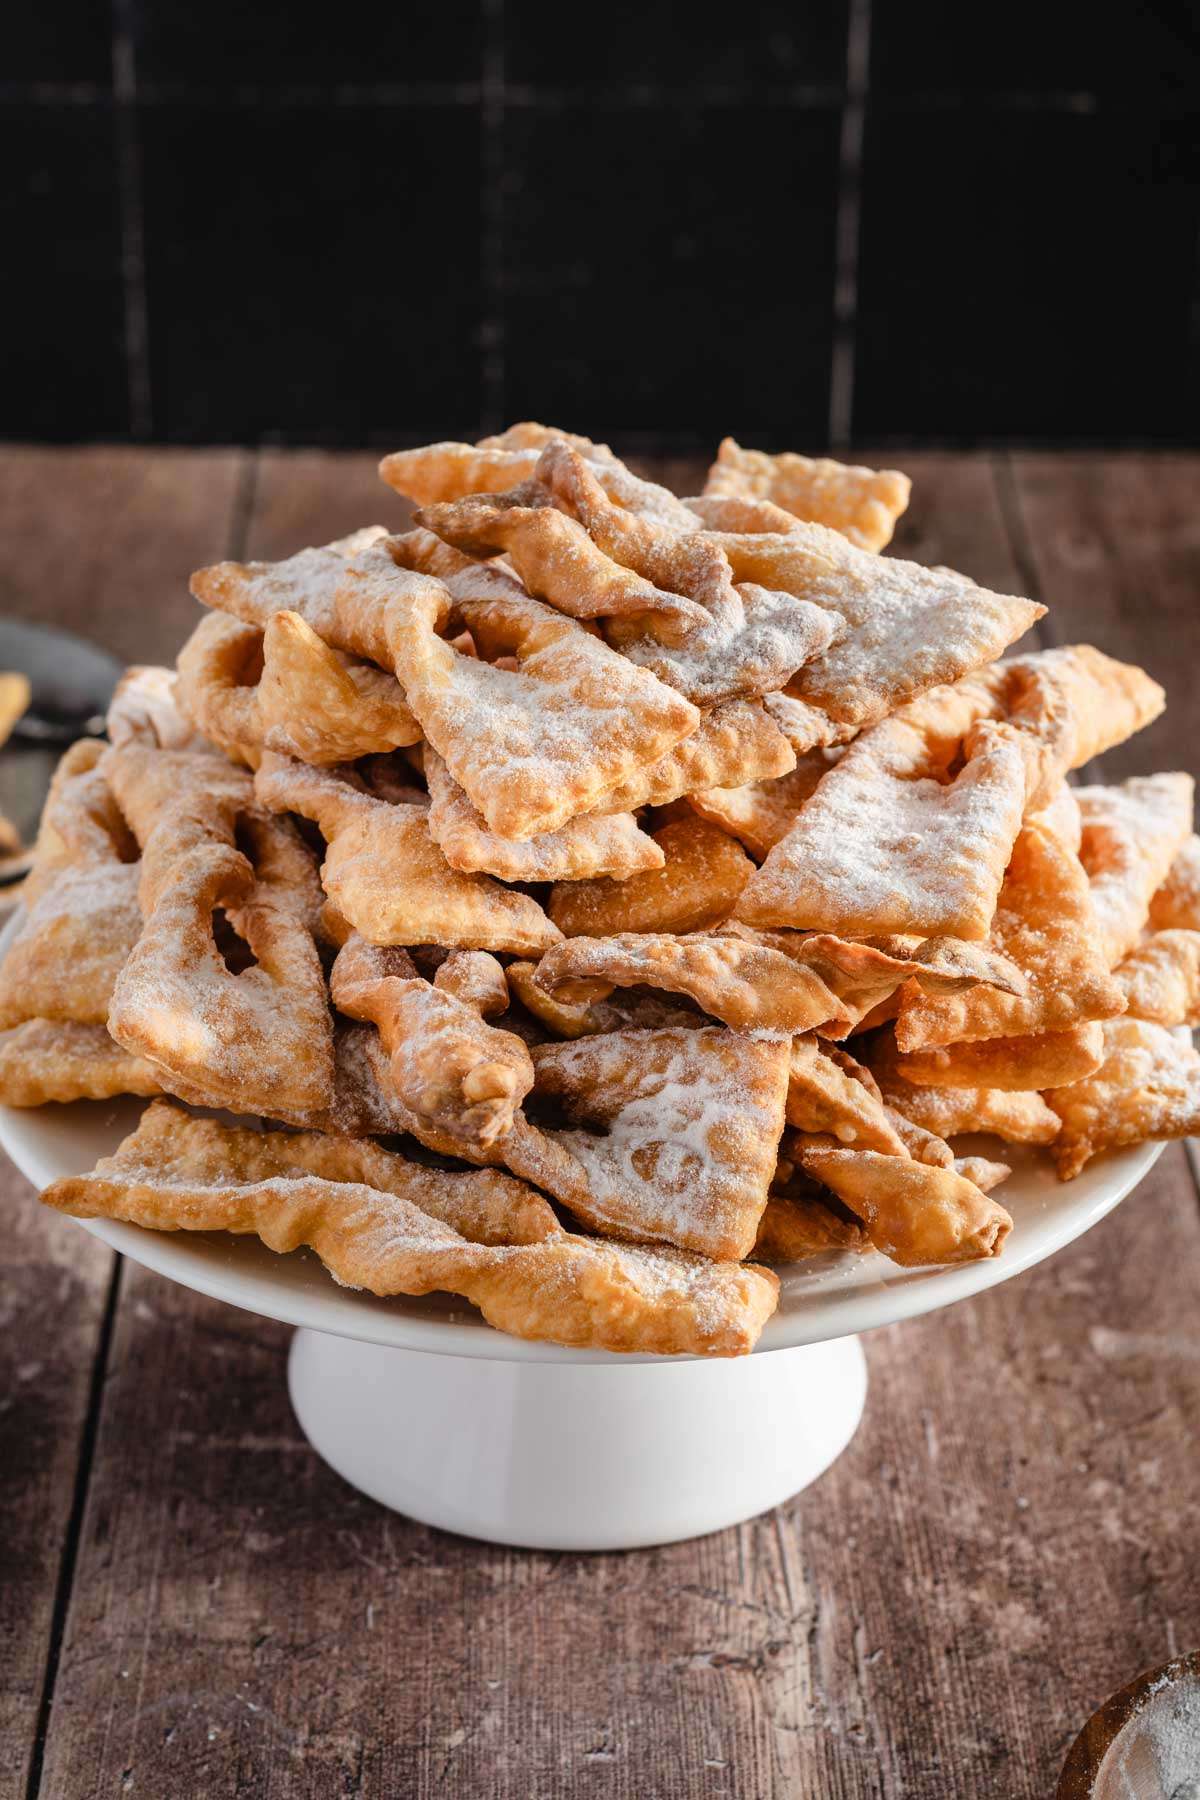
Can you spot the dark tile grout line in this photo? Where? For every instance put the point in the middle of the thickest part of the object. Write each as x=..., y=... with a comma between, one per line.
x=70, y=1553
x=845, y=261
x=133, y=244
x=557, y=97
x=433, y=94
x=491, y=198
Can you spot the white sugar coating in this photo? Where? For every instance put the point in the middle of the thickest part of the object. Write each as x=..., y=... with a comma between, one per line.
x=691, y=1122
x=1150, y=1062
x=608, y=844
x=1163, y=1734
x=93, y=892
x=1177, y=902
x=875, y=851
x=638, y=495
x=806, y=727
x=304, y=584
x=909, y=627
x=1131, y=835
x=535, y=745
x=525, y=443
x=754, y=644
x=143, y=710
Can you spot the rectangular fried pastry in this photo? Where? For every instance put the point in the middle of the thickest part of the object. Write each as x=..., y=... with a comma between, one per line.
x=380, y=1222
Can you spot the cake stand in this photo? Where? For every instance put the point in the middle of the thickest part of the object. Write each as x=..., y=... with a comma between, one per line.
x=427, y=1409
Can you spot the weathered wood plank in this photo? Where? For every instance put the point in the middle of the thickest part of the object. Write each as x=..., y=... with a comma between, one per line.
x=53, y=1295
x=997, y=1557
x=313, y=496
x=955, y=517
x=102, y=540
x=1115, y=541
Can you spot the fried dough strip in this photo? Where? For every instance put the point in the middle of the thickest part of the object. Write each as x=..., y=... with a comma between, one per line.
x=260, y=1040
x=1020, y=1117
x=58, y=1060
x=1160, y=978
x=761, y=813
x=762, y=984
x=282, y=688
x=985, y=1175
x=796, y=1226
x=451, y=471
x=387, y=877
x=1019, y=1064
x=574, y=1019
x=143, y=710
x=915, y=1213
x=586, y=847
x=750, y=987
x=81, y=917
x=444, y=1062
x=704, y=871
x=1177, y=902
x=1071, y=704
x=1046, y=925
x=862, y=504
x=555, y=558
x=1131, y=836
x=892, y=840
x=908, y=628
x=681, y=1138
x=738, y=739
x=305, y=583
x=536, y=744
x=832, y=1095
x=1147, y=1085
x=913, y=827
x=748, y=640
x=390, y=1226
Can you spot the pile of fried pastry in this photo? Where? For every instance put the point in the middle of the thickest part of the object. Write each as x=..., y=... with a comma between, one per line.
x=588, y=897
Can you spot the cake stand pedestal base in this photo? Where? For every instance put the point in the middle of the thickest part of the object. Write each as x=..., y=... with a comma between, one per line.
x=575, y=1455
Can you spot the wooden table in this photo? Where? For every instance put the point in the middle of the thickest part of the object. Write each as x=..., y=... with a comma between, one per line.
x=192, y=1604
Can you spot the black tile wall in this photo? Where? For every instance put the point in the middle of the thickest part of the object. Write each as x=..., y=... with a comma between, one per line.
x=274, y=45
x=295, y=290
x=1118, y=50
x=904, y=219
x=64, y=307
x=620, y=308
x=665, y=46
x=57, y=43
x=1024, y=274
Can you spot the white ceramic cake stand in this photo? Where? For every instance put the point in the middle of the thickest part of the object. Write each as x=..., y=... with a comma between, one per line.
x=430, y=1411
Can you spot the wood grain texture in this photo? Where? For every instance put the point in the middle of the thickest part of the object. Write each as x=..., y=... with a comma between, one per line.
x=313, y=496
x=102, y=540
x=1013, y=1533
x=53, y=1294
